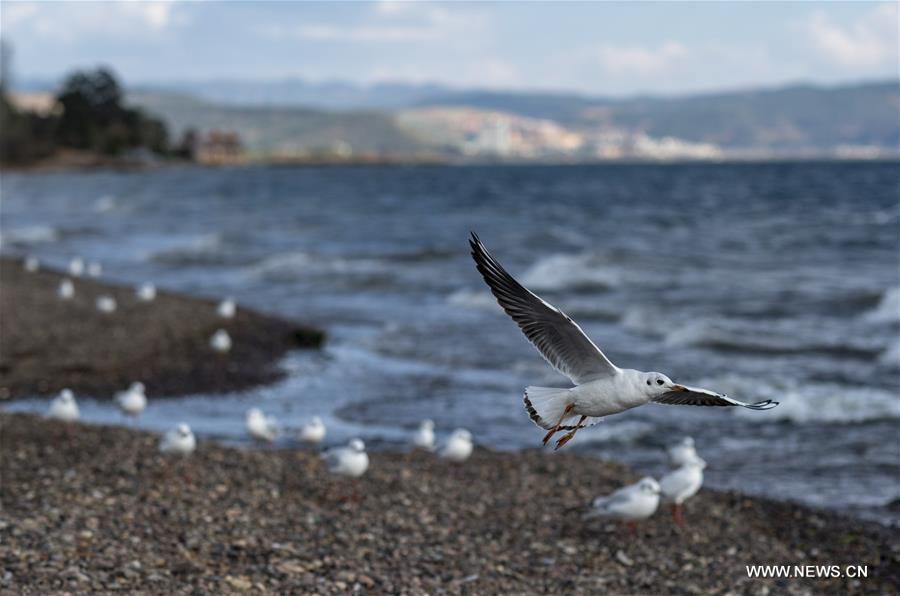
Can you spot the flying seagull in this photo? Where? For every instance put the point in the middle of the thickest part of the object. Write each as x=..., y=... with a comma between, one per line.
x=601, y=388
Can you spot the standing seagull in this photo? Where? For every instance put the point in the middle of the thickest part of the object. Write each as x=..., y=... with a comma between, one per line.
x=133, y=401
x=64, y=407
x=682, y=484
x=313, y=432
x=424, y=437
x=682, y=452
x=458, y=447
x=629, y=504
x=178, y=440
x=351, y=461
x=261, y=427
x=601, y=388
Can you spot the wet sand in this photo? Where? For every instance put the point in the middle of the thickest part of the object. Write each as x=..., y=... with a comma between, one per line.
x=48, y=344
x=92, y=508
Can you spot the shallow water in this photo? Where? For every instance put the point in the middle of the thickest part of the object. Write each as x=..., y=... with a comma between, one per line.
x=764, y=281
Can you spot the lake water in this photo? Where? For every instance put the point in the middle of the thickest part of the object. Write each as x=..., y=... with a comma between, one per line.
x=764, y=281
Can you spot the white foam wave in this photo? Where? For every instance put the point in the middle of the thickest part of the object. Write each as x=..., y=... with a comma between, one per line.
x=197, y=250
x=294, y=265
x=559, y=272
x=29, y=235
x=643, y=320
x=768, y=337
x=888, y=309
x=809, y=402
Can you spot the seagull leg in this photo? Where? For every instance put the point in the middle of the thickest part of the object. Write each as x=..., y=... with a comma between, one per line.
x=568, y=436
x=555, y=429
x=676, y=513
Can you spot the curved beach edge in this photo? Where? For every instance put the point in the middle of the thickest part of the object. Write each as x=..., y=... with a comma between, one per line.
x=49, y=344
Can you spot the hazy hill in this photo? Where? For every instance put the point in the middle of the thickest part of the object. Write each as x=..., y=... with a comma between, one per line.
x=794, y=117
x=792, y=120
x=284, y=130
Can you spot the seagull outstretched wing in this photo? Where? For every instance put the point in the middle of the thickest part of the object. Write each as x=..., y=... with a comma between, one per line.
x=558, y=338
x=694, y=396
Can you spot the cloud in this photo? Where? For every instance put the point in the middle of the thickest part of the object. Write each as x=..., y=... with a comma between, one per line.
x=71, y=21
x=638, y=60
x=390, y=22
x=869, y=41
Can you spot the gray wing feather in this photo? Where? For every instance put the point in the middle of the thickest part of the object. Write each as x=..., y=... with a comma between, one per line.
x=558, y=338
x=702, y=397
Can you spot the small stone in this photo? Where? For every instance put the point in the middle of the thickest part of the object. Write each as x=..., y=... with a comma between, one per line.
x=624, y=559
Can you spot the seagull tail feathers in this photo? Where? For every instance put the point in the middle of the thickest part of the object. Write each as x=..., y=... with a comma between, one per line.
x=546, y=404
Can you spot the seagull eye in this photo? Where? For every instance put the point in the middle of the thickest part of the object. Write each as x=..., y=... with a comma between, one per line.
x=659, y=381
x=648, y=381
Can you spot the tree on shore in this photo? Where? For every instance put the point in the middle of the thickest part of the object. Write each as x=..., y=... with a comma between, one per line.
x=92, y=117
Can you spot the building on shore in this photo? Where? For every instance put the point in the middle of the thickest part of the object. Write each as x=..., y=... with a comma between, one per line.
x=218, y=147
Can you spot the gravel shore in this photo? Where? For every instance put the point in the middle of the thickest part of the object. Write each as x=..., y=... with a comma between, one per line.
x=49, y=344
x=96, y=509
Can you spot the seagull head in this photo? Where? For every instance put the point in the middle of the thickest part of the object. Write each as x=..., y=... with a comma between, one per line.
x=655, y=384
x=428, y=423
x=462, y=435
x=649, y=486
x=315, y=421
x=66, y=395
x=137, y=387
x=357, y=445
x=183, y=430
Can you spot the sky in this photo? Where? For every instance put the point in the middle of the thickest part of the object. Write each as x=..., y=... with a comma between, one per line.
x=591, y=48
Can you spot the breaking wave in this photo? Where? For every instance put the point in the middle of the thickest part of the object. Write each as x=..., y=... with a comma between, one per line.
x=888, y=309
x=560, y=272
x=28, y=235
x=810, y=402
x=729, y=337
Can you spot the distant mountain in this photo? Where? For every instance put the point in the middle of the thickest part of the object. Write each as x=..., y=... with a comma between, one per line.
x=284, y=130
x=789, y=118
x=859, y=120
x=330, y=95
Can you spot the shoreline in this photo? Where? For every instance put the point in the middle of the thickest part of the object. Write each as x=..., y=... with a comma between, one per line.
x=49, y=344
x=112, y=514
x=114, y=165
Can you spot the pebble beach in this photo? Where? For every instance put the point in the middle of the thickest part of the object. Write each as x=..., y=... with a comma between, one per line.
x=89, y=508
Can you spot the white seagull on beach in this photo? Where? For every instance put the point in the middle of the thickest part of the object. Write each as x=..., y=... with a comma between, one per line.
x=424, y=437
x=32, y=264
x=132, y=401
x=629, y=504
x=601, y=388
x=106, y=304
x=94, y=269
x=458, y=447
x=351, y=461
x=66, y=289
x=220, y=341
x=261, y=427
x=76, y=267
x=64, y=407
x=682, y=452
x=313, y=432
x=227, y=308
x=178, y=440
x=682, y=484
x=146, y=292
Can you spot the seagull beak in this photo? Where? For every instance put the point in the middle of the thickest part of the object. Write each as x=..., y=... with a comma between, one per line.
x=678, y=388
